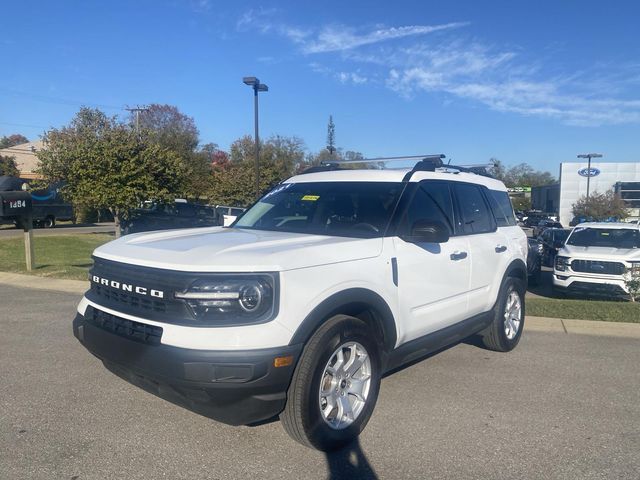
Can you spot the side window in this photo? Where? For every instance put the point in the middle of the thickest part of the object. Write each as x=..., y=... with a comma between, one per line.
x=502, y=208
x=441, y=195
x=424, y=206
x=185, y=210
x=476, y=217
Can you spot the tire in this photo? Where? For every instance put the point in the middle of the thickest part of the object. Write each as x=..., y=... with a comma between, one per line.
x=536, y=278
x=497, y=336
x=49, y=222
x=302, y=417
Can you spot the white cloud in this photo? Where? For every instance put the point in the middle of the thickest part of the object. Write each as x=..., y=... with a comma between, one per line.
x=351, y=77
x=337, y=37
x=458, y=68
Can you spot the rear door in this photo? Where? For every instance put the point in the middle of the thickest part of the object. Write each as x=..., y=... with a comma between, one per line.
x=433, y=278
x=488, y=245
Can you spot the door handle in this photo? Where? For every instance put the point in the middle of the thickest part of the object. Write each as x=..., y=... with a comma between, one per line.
x=501, y=248
x=458, y=255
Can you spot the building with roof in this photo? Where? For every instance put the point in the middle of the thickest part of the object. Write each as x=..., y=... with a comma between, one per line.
x=25, y=157
x=623, y=178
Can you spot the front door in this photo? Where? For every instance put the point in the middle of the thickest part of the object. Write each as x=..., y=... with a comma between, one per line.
x=433, y=278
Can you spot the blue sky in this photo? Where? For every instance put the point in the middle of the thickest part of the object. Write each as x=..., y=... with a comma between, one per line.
x=535, y=82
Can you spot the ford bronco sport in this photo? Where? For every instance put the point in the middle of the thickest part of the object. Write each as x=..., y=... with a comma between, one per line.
x=330, y=280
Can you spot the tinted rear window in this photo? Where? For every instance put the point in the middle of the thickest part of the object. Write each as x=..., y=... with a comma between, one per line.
x=502, y=208
x=476, y=217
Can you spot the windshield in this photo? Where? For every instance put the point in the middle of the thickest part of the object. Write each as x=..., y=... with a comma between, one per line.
x=605, y=237
x=347, y=209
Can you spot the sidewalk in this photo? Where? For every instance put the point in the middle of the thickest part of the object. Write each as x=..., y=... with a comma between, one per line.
x=533, y=324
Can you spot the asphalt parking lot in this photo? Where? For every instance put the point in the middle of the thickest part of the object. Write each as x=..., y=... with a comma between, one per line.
x=559, y=406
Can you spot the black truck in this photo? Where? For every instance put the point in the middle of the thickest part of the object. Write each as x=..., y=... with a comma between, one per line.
x=180, y=214
x=48, y=204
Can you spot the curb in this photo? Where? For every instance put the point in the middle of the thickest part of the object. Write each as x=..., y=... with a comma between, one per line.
x=584, y=327
x=21, y=280
x=533, y=324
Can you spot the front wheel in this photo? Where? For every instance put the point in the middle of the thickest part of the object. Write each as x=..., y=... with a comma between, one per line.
x=335, y=385
x=504, y=332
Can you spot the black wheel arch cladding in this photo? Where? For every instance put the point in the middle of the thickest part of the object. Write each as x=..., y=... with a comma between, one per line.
x=357, y=302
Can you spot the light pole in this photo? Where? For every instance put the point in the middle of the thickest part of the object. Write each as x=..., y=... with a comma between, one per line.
x=254, y=83
x=589, y=156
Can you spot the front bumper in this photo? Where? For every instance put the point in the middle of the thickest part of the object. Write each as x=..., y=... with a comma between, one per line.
x=232, y=387
x=568, y=282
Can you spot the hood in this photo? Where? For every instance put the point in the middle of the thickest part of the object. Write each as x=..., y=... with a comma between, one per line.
x=218, y=249
x=600, y=253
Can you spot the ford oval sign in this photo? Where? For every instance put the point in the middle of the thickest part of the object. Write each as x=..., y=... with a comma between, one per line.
x=589, y=172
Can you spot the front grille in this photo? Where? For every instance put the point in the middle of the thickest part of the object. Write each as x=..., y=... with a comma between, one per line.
x=119, y=291
x=114, y=296
x=598, y=267
x=139, y=332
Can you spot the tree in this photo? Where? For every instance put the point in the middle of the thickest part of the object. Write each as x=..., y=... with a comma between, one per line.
x=234, y=181
x=632, y=282
x=170, y=128
x=521, y=175
x=8, y=166
x=12, y=140
x=601, y=206
x=331, y=136
x=106, y=164
x=497, y=169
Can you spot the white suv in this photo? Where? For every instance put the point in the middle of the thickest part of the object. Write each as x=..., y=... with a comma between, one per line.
x=330, y=280
x=596, y=257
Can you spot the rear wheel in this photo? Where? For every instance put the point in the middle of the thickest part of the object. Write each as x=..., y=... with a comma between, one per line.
x=335, y=385
x=49, y=222
x=504, y=332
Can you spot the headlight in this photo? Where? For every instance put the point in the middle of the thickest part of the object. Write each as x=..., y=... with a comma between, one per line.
x=634, y=268
x=562, y=263
x=233, y=299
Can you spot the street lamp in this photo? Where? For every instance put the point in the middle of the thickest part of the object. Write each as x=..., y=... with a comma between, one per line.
x=254, y=83
x=589, y=156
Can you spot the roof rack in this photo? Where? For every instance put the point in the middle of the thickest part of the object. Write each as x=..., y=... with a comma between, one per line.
x=427, y=163
x=332, y=165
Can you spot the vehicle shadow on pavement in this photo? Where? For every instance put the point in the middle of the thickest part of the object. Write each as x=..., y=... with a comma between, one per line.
x=349, y=462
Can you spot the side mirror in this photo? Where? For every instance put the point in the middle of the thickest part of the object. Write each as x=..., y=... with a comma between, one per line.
x=427, y=231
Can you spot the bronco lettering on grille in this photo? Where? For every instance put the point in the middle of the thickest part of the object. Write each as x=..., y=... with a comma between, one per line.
x=127, y=287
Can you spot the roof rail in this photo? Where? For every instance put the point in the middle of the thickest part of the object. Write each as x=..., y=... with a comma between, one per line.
x=332, y=165
x=384, y=159
x=325, y=167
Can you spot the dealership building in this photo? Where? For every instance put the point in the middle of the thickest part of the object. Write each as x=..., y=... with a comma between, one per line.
x=623, y=178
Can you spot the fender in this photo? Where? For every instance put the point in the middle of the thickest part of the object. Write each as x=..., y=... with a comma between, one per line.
x=350, y=302
x=517, y=268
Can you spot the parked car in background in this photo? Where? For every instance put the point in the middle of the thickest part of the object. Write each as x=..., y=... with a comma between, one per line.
x=531, y=219
x=552, y=240
x=596, y=257
x=534, y=261
x=180, y=214
x=543, y=225
x=229, y=214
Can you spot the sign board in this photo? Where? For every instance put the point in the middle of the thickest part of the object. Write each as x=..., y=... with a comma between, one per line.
x=589, y=172
x=15, y=204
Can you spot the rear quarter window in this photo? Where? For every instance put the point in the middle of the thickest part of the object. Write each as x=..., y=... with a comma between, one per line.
x=502, y=208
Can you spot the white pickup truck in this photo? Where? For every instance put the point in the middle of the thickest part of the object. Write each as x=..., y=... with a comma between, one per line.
x=596, y=257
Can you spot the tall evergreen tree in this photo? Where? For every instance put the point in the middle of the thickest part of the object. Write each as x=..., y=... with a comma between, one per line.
x=331, y=136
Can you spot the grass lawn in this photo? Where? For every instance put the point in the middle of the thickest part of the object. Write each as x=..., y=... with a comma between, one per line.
x=584, y=309
x=61, y=256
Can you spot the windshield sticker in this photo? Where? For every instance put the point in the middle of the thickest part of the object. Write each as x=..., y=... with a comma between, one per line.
x=310, y=198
